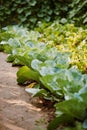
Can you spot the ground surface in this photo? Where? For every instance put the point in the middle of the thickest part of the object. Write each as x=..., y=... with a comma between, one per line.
x=16, y=110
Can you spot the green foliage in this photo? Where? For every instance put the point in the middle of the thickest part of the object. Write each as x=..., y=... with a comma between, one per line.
x=30, y=12
x=78, y=11
x=67, y=38
x=74, y=108
x=25, y=74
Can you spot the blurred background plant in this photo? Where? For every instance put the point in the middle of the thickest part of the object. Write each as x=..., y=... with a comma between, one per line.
x=29, y=12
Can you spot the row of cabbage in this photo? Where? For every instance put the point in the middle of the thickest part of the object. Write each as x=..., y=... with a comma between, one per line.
x=53, y=56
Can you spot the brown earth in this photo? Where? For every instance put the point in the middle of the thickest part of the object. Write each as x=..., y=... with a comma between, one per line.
x=17, y=112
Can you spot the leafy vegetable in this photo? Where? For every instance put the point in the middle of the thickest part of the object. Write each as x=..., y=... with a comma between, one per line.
x=25, y=74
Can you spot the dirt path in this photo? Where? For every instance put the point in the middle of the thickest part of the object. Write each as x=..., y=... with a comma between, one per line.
x=16, y=110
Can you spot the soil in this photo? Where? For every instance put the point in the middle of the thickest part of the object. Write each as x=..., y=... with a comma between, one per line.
x=18, y=110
